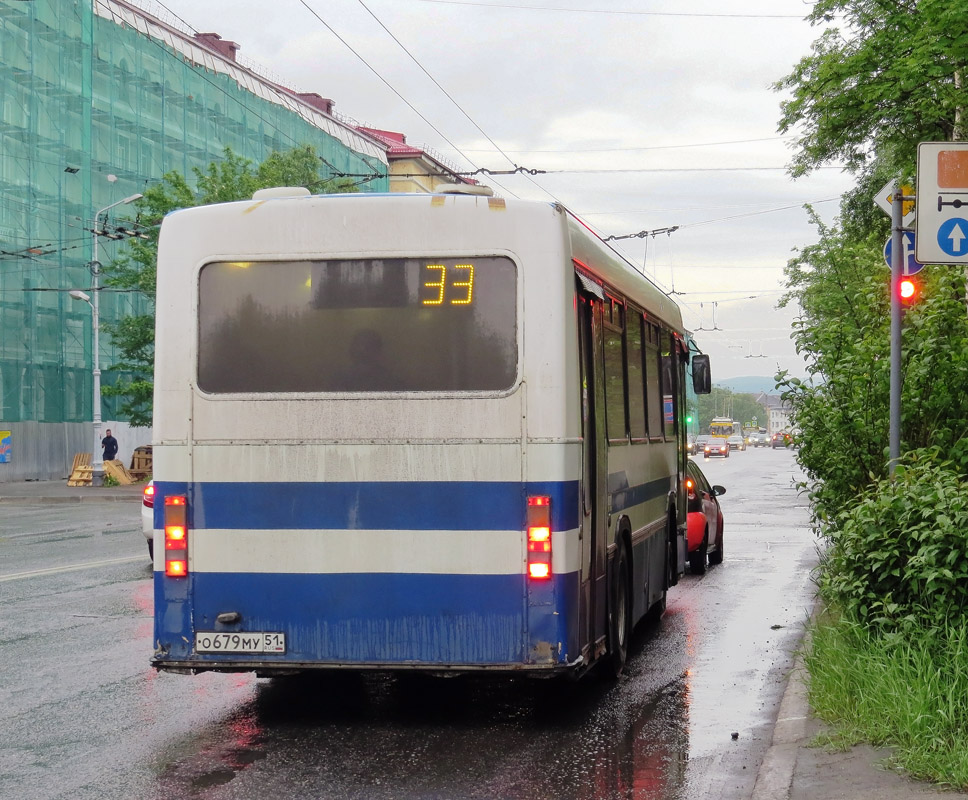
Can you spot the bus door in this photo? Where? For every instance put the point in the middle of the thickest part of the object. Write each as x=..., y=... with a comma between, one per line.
x=594, y=483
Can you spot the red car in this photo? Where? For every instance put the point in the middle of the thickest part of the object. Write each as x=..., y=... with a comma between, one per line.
x=716, y=447
x=704, y=520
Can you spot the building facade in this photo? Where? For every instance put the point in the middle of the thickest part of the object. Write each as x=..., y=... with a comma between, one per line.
x=98, y=100
x=412, y=168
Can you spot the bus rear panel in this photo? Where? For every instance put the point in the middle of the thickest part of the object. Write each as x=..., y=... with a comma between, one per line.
x=371, y=442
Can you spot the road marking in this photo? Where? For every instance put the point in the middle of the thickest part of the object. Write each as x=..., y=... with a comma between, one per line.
x=69, y=568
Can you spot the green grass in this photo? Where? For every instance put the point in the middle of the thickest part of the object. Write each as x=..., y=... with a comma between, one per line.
x=909, y=692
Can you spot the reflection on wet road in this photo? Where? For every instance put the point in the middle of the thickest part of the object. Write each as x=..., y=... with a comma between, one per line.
x=84, y=716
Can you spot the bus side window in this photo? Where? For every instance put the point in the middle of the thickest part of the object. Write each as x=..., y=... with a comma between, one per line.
x=615, y=422
x=653, y=391
x=633, y=351
x=668, y=386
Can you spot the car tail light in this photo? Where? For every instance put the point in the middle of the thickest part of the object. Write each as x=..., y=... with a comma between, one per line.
x=690, y=488
x=176, y=536
x=539, y=537
x=148, y=495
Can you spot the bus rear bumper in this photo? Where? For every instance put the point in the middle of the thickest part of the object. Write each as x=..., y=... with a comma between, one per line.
x=264, y=669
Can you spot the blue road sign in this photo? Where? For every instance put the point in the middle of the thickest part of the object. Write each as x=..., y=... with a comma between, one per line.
x=908, y=265
x=953, y=236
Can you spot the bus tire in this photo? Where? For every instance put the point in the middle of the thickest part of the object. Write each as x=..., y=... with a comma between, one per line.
x=672, y=552
x=697, y=558
x=619, y=613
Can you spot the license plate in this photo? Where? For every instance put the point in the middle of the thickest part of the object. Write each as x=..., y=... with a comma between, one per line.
x=211, y=642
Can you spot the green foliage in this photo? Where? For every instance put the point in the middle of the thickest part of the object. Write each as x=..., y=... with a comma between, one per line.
x=885, y=79
x=889, y=667
x=110, y=480
x=231, y=178
x=897, y=558
x=909, y=692
x=842, y=410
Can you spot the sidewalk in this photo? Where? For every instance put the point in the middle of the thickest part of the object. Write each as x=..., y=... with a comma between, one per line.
x=41, y=492
x=793, y=770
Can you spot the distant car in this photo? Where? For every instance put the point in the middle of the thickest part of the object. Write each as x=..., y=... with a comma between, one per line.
x=716, y=447
x=690, y=445
x=700, y=444
x=780, y=439
x=704, y=520
x=758, y=439
x=736, y=442
x=148, y=516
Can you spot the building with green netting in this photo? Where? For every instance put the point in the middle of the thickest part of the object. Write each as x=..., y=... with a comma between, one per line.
x=98, y=100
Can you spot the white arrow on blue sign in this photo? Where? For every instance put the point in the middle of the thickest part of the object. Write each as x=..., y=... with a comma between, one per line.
x=953, y=236
x=908, y=265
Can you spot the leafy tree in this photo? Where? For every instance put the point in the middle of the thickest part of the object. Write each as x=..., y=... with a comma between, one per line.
x=888, y=76
x=231, y=178
x=842, y=287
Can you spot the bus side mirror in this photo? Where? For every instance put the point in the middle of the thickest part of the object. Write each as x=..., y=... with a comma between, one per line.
x=702, y=382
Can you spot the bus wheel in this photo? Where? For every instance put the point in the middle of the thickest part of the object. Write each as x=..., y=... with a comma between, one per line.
x=697, y=558
x=672, y=553
x=619, y=613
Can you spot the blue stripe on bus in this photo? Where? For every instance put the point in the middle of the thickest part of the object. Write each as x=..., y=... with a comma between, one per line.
x=625, y=496
x=473, y=620
x=417, y=505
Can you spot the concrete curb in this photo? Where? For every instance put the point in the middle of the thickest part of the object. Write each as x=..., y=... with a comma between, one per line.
x=77, y=498
x=775, y=777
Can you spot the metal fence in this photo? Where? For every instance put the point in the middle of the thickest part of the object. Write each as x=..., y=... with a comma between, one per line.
x=44, y=451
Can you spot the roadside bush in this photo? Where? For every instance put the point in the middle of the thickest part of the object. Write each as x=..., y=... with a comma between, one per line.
x=898, y=555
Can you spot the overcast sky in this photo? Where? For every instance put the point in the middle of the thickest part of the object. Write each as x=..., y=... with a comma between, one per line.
x=638, y=109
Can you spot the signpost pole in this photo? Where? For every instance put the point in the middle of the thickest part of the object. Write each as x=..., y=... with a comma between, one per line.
x=897, y=253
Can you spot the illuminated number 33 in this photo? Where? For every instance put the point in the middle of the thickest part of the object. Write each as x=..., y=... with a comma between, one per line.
x=441, y=284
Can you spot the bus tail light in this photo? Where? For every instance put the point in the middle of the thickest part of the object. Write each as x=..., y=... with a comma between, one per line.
x=539, y=537
x=176, y=536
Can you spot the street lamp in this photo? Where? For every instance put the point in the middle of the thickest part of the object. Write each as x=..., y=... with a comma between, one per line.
x=97, y=470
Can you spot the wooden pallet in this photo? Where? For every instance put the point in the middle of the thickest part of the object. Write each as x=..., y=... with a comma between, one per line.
x=117, y=471
x=81, y=475
x=80, y=460
x=141, y=462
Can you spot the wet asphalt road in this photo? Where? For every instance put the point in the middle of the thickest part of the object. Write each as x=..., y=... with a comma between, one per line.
x=83, y=716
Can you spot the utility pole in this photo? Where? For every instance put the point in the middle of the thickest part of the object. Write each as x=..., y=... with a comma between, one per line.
x=897, y=272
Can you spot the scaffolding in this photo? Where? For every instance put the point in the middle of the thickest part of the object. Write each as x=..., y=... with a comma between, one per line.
x=99, y=100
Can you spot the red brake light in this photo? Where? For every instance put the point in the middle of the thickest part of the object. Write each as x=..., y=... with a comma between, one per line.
x=539, y=537
x=148, y=495
x=538, y=571
x=176, y=569
x=176, y=536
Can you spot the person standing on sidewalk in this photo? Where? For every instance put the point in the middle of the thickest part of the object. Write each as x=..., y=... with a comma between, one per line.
x=110, y=446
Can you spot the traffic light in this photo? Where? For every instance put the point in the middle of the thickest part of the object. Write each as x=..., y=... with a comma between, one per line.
x=907, y=288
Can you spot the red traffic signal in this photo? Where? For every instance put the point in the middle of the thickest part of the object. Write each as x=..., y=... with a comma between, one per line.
x=907, y=289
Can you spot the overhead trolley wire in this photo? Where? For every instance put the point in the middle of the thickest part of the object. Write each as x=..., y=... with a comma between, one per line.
x=610, y=12
x=383, y=80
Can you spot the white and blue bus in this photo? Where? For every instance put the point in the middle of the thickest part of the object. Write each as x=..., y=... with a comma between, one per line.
x=440, y=432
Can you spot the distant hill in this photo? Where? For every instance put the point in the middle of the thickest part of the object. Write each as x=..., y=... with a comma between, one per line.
x=750, y=384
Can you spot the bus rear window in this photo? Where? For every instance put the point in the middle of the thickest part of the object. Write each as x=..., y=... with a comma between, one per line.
x=358, y=325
